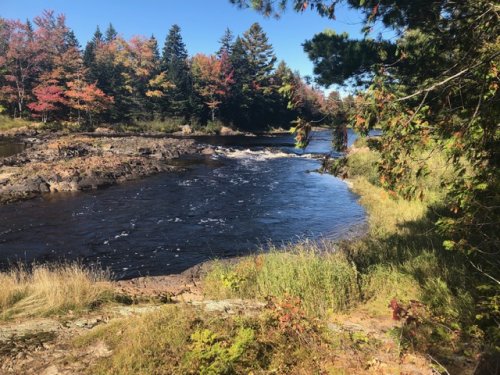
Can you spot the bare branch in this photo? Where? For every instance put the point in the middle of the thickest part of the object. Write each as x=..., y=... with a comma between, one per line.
x=436, y=85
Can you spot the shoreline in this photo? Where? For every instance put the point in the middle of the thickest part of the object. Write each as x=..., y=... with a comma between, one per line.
x=76, y=162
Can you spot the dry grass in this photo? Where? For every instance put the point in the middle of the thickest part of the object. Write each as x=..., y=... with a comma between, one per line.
x=49, y=290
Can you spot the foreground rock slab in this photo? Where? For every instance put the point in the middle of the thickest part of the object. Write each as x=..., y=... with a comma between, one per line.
x=82, y=162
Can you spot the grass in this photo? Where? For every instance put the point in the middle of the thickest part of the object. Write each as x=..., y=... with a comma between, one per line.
x=186, y=340
x=324, y=281
x=47, y=290
x=7, y=123
x=168, y=125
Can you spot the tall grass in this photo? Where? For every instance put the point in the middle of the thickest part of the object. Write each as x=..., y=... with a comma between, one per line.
x=47, y=290
x=324, y=281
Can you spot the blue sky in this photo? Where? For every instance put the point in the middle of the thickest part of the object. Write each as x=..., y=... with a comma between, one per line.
x=202, y=22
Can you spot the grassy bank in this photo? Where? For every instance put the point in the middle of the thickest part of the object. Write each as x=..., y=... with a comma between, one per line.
x=7, y=123
x=49, y=290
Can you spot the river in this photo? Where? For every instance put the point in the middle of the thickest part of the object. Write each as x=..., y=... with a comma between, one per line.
x=252, y=192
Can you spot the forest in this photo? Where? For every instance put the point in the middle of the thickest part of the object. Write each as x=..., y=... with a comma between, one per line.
x=46, y=76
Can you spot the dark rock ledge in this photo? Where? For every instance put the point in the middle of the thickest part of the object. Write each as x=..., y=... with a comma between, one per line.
x=79, y=162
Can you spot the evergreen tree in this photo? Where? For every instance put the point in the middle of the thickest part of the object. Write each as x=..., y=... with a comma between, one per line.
x=89, y=53
x=259, y=53
x=71, y=41
x=29, y=30
x=253, y=62
x=174, y=63
x=156, y=51
x=97, y=38
x=111, y=34
x=174, y=50
x=226, y=43
x=236, y=110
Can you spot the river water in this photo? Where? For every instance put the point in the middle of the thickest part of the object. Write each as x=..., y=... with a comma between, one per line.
x=254, y=191
x=10, y=147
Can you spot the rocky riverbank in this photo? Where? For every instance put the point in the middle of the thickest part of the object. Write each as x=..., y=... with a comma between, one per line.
x=79, y=162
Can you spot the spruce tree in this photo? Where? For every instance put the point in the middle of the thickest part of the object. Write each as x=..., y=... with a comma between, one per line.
x=259, y=53
x=237, y=109
x=174, y=50
x=156, y=51
x=90, y=48
x=111, y=33
x=174, y=63
x=71, y=41
x=254, y=61
x=226, y=43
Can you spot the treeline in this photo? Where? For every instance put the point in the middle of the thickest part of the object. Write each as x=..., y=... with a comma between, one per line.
x=46, y=76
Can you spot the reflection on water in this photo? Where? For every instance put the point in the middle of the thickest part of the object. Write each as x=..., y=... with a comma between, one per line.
x=222, y=205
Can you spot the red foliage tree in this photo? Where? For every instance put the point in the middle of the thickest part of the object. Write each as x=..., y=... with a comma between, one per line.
x=212, y=79
x=48, y=99
x=86, y=98
x=20, y=62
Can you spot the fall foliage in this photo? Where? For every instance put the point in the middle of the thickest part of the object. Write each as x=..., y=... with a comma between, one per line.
x=46, y=76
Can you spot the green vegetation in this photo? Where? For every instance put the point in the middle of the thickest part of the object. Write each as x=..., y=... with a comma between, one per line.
x=48, y=290
x=7, y=123
x=170, y=125
x=324, y=282
x=183, y=340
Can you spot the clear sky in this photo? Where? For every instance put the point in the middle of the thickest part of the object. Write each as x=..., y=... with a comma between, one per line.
x=202, y=22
